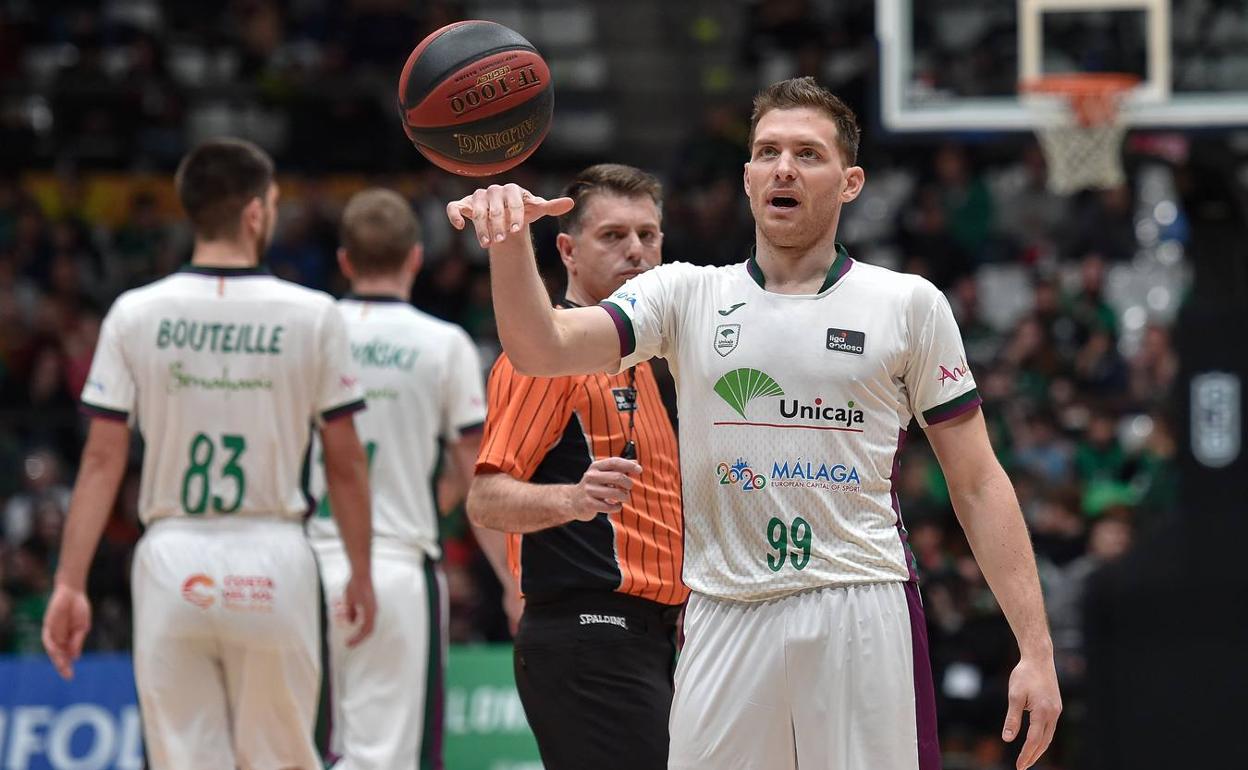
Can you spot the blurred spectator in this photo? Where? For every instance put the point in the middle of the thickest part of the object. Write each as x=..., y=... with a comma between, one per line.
x=967, y=203
x=926, y=236
x=143, y=243
x=1153, y=368
x=29, y=585
x=1064, y=584
x=42, y=485
x=1041, y=450
x=979, y=338
x=1099, y=456
x=1102, y=224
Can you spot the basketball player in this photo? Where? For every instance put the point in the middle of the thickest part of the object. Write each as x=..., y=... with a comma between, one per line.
x=422, y=378
x=223, y=368
x=798, y=374
x=599, y=570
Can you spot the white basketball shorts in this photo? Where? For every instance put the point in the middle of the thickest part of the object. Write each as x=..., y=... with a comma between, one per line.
x=830, y=679
x=386, y=693
x=225, y=644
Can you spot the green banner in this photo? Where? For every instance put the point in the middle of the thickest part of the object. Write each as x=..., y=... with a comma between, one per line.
x=485, y=724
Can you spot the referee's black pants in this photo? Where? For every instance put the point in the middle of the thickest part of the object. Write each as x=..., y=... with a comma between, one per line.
x=594, y=672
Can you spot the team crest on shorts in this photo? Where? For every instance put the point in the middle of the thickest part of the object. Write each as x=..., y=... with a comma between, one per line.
x=726, y=336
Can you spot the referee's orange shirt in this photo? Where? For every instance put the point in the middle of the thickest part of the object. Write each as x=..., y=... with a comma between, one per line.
x=548, y=430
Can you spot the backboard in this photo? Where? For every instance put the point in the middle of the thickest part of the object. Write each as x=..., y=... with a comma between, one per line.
x=955, y=65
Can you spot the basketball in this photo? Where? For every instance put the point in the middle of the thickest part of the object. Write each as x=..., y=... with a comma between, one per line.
x=475, y=98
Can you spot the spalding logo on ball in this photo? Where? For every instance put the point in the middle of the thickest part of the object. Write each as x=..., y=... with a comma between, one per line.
x=475, y=98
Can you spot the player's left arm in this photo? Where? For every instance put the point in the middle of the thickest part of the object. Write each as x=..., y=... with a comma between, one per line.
x=986, y=506
x=68, y=617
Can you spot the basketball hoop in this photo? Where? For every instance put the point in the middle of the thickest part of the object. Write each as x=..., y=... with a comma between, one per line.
x=1082, y=139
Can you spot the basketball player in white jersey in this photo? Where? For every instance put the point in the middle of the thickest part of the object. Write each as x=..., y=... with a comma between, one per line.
x=423, y=381
x=798, y=375
x=224, y=369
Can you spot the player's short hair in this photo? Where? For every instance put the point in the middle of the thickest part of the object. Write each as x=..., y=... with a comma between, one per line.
x=378, y=231
x=216, y=181
x=608, y=178
x=806, y=92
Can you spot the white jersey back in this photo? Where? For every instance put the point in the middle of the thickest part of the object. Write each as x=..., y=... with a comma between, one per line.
x=792, y=413
x=224, y=371
x=423, y=382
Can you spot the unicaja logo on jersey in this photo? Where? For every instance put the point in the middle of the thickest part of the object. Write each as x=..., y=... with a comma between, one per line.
x=846, y=416
x=201, y=599
x=741, y=386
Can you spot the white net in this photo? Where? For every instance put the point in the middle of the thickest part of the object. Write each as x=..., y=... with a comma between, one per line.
x=1080, y=128
x=1080, y=157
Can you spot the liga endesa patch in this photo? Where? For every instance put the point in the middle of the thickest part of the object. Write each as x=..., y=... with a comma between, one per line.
x=847, y=341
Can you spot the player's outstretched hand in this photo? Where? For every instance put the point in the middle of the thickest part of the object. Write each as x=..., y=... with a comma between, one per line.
x=499, y=211
x=605, y=487
x=1033, y=688
x=65, y=626
x=360, y=606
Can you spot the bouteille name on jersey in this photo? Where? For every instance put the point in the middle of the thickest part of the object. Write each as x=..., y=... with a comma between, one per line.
x=220, y=337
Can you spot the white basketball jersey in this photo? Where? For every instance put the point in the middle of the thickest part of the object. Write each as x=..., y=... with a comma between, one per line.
x=224, y=371
x=422, y=378
x=792, y=412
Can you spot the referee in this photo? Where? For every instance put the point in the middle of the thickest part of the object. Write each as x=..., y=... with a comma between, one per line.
x=595, y=537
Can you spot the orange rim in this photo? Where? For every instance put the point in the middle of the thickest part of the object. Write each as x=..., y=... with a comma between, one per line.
x=1093, y=96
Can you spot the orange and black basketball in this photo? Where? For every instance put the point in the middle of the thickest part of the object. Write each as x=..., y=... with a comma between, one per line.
x=475, y=98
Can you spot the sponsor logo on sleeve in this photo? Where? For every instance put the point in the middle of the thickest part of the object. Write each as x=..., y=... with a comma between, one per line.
x=626, y=296
x=954, y=373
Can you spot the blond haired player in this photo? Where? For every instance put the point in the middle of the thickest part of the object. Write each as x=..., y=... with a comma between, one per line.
x=422, y=377
x=798, y=375
x=224, y=369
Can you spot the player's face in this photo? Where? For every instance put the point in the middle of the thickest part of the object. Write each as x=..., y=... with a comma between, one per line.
x=796, y=180
x=618, y=239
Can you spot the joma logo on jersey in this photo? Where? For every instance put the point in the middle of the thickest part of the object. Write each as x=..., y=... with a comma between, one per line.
x=845, y=415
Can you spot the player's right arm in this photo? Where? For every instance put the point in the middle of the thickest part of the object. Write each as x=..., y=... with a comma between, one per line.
x=541, y=341
x=68, y=617
x=498, y=501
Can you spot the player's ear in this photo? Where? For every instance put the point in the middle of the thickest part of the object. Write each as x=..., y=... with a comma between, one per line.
x=745, y=179
x=855, y=178
x=564, y=243
x=415, y=259
x=254, y=214
x=344, y=264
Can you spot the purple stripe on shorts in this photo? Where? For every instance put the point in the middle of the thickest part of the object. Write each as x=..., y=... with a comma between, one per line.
x=924, y=690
